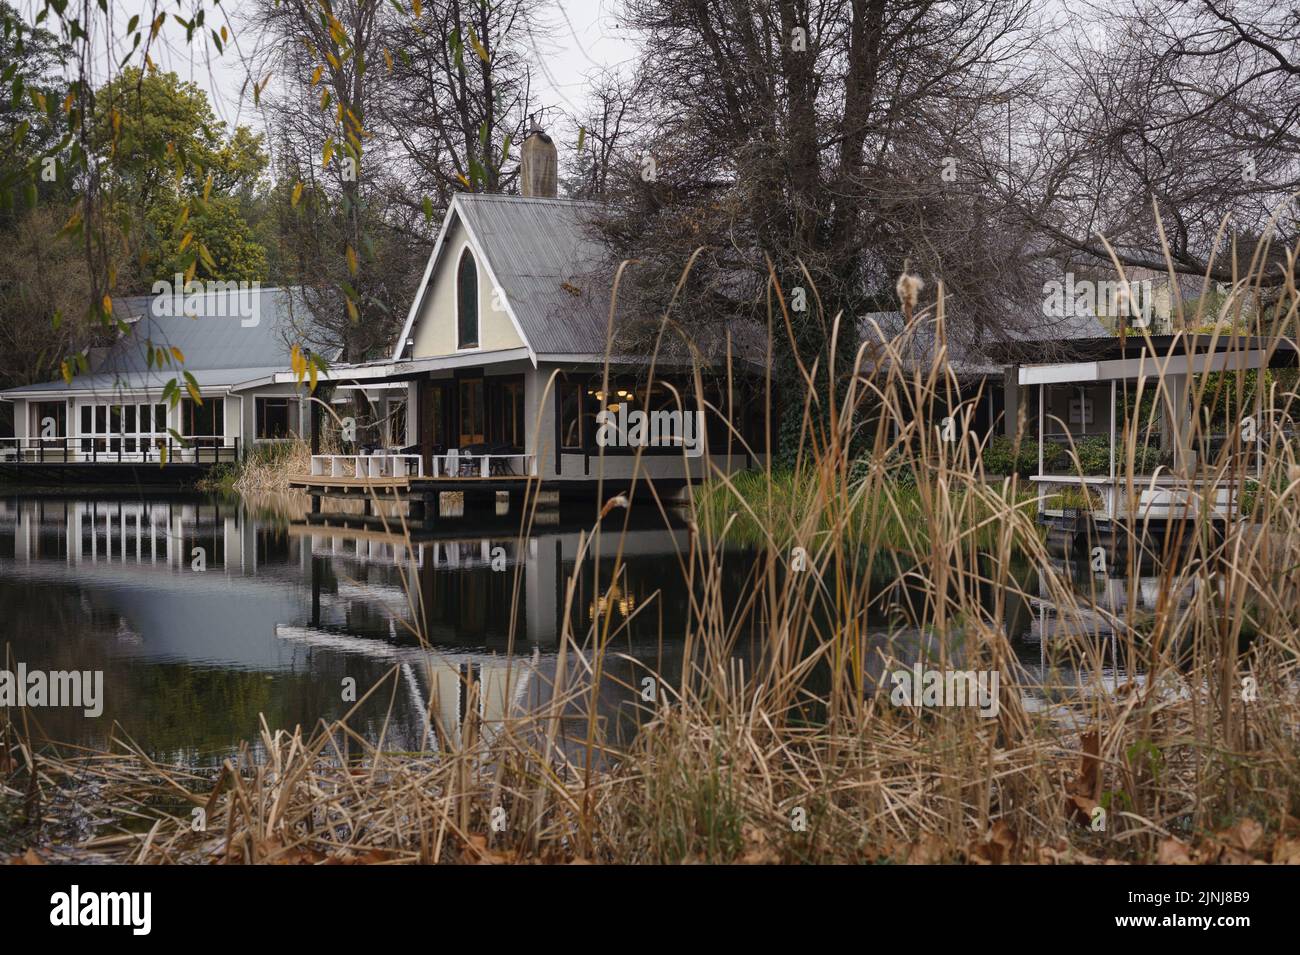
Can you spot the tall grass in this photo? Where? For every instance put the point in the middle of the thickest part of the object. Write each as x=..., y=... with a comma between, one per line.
x=1181, y=726
x=264, y=468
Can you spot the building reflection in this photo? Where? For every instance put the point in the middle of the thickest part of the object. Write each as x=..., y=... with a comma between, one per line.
x=240, y=614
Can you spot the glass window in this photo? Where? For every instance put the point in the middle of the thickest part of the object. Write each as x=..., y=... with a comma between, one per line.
x=397, y=423
x=205, y=420
x=436, y=412
x=467, y=302
x=570, y=417
x=51, y=419
x=471, y=411
x=273, y=417
x=511, y=413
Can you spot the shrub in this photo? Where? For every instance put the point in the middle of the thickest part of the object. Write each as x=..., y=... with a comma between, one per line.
x=1093, y=453
x=1000, y=456
x=897, y=470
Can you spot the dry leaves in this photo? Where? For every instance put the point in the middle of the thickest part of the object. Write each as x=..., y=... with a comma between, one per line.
x=1083, y=793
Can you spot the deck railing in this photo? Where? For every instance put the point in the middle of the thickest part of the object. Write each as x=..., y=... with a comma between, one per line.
x=1160, y=497
x=380, y=465
x=448, y=466
x=455, y=464
x=119, y=449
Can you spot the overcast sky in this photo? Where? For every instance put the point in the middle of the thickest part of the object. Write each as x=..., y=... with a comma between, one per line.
x=580, y=37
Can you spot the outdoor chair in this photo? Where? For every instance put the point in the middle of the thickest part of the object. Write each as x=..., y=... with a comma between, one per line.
x=469, y=455
x=501, y=465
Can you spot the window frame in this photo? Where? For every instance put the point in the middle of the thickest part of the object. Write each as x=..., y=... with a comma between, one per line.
x=467, y=250
x=294, y=422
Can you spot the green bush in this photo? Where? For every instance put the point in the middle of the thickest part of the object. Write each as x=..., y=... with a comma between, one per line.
x=1093, y=453
x=1000, y=456
x=896, y=469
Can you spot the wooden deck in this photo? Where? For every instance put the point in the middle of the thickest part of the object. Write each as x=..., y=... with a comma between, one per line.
x=404, y=486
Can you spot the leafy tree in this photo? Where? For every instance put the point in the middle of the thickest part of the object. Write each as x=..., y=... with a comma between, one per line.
x=159, y=137
x=31, y=122
x=171, y=163
x=234, y=254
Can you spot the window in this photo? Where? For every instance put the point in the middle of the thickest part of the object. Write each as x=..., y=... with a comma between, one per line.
x=570, y=417
x=123, y=430
x=471, y=411
x=467, y=302
x=51, y=419
x=203, y=420
x=508, y=414
x=397, y=422
x=432, y=420
x=274, y=419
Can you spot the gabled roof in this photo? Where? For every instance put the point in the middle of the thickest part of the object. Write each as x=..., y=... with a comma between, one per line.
x=557, y=278
x=548, y=262
x=226, y=338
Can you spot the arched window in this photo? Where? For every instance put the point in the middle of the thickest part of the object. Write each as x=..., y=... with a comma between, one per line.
x=467, y=302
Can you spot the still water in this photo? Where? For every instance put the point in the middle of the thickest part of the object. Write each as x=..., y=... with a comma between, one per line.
x=204, y=613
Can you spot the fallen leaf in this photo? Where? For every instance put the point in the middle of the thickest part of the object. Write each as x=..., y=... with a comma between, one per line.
x=1286, y=852
x=930, y=850
x=1084, y=791
x=1245, y=835
x=1173, y=852
x=1001, y=845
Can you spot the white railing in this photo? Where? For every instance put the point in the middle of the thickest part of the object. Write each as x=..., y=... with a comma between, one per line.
x=380, y=465
x=453, y=464
x=1162, y=497
x=119, y=449
x=456, y=464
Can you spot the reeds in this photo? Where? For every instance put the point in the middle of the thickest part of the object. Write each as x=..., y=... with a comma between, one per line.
x=1168, y=736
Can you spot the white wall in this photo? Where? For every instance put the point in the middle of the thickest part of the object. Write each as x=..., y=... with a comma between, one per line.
x=435, y=327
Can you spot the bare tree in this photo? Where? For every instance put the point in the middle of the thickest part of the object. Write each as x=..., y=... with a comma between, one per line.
x=610, y=121
x=1176, y=117
x=850, y=138
x=332, y=197
x=458, y=94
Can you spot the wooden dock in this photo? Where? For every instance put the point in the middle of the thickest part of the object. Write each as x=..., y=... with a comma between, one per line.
x=405, y=487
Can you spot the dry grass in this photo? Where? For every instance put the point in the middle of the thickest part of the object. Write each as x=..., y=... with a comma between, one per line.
x=798, y=754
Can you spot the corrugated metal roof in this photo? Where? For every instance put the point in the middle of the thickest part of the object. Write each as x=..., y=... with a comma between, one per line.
x=549, y=263
x=226, y=338
x=135, y=381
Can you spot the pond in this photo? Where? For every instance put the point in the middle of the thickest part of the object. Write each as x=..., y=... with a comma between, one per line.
x=203, y=613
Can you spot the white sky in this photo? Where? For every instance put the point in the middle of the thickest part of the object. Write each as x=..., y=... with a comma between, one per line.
x=579, y=38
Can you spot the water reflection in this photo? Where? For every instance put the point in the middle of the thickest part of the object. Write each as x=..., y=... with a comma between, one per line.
x=205, y=613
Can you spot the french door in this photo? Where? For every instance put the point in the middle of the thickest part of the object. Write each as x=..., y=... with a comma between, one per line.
x=471, y=411
x=122, y=430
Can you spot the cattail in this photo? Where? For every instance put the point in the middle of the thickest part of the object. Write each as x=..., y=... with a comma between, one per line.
x=909, y=290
